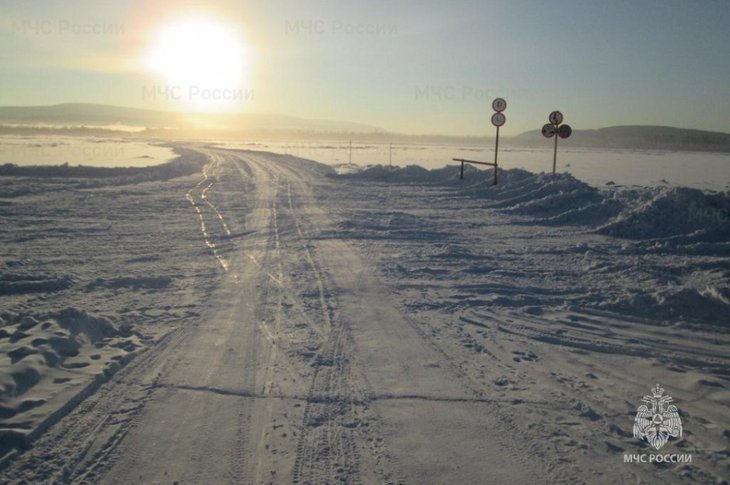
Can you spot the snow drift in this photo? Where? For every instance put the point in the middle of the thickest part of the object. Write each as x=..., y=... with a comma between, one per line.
x=50, y=358
x=676, y=215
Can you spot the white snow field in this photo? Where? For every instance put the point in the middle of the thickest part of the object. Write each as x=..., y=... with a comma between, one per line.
x=74, y=150
x=237, y=316
x=597, y=166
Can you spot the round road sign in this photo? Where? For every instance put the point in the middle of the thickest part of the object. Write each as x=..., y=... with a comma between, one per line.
x=556, y=117
x=499, y=105
x=548, y=130
x=565, y=131
x=498, y=119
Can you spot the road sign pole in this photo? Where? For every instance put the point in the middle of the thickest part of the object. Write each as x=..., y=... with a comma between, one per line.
x=554, y=128
x=496, y=149
x=498, y=119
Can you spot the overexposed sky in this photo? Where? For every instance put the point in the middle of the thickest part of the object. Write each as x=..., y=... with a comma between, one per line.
x=407, y=66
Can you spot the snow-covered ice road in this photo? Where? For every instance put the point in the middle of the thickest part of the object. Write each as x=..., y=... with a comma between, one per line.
x=300, y=370
x=282, y=324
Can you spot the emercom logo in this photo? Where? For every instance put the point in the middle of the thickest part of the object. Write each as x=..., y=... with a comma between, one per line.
x=656, y=421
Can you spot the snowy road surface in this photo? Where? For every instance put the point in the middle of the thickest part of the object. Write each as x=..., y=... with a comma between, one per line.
x=311, y=363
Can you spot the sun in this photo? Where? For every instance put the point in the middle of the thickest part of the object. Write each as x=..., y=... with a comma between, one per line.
x=203, y=63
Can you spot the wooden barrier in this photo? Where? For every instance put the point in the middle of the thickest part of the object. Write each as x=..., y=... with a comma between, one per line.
x=491, y=164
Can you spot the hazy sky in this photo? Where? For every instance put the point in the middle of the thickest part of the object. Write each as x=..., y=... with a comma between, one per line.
x=407, y=66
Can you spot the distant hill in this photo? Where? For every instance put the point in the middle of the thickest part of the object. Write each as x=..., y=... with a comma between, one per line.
x=638, y=137
x=86, y=114
x=96, y=120
x=74, y=115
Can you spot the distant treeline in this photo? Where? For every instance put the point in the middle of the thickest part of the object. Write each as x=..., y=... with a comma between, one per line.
x=63, y=131
x=251, y=135
x=618, y=137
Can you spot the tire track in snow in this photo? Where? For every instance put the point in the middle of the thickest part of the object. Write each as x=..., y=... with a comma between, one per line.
x=337, y=402
x=326, y=451
x=204, y=196
x=315, y=450
x=208, y=240
x=291, y=298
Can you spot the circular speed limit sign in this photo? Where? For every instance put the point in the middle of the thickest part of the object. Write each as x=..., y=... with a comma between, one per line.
x=499, y=105
x=498, y=119
x=556, y=117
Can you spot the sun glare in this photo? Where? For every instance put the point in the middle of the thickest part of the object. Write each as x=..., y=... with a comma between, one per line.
x=202, y=62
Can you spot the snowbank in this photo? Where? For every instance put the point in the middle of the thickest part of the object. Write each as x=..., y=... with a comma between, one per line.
x=671, y=212
x=416, y=174
x=188, y=162
x=134, y=282
x=52, y=353
x=677, y=214
x=19, y=283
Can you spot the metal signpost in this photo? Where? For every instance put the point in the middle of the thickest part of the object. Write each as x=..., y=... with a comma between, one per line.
x=498, y=119
x=554, y=128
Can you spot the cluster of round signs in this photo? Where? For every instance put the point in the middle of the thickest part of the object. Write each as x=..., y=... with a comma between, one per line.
x=551, y=129
x=548, y=130
x=498, y=118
